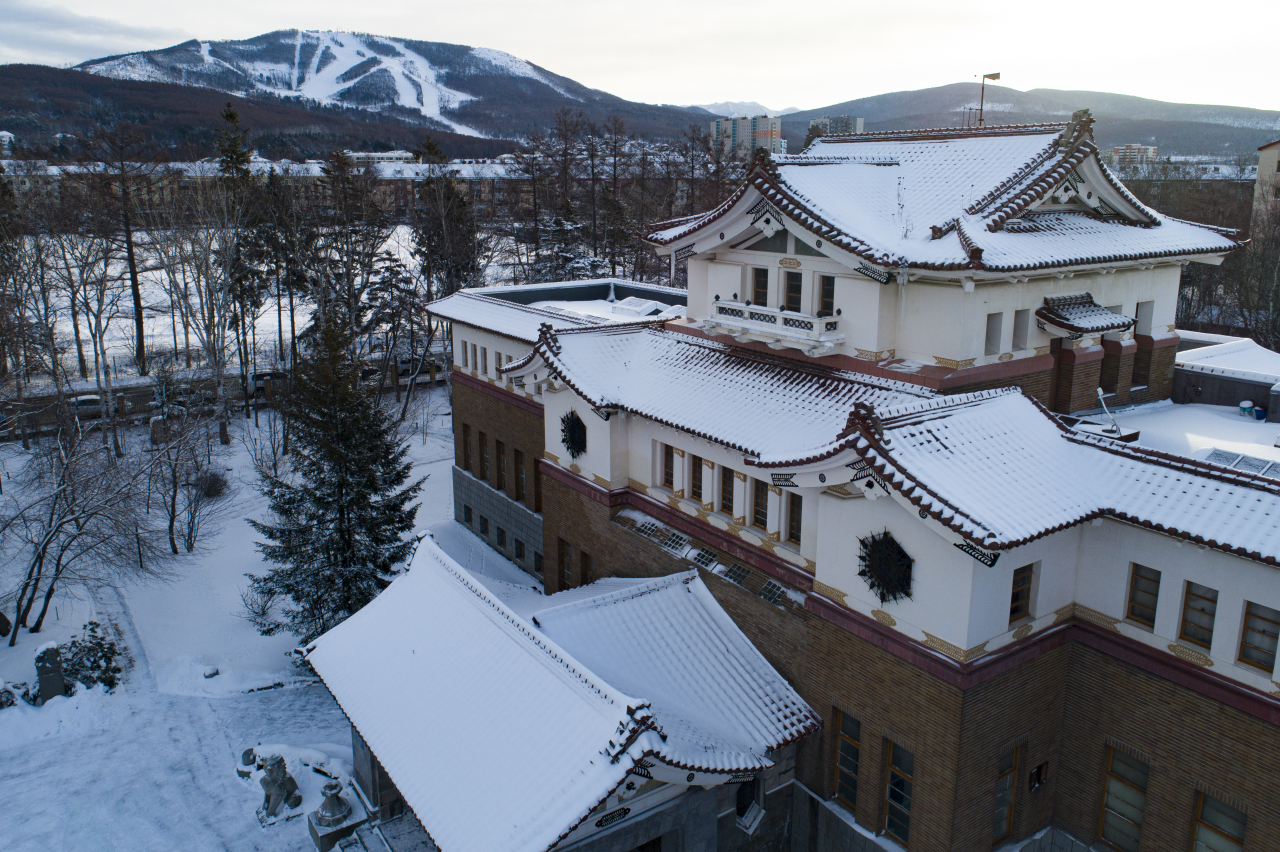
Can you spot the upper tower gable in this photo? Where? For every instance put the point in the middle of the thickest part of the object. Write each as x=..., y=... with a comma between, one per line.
x=959, y=200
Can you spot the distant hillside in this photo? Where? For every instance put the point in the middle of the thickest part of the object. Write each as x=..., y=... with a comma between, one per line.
x=1174, y=128
x=735, y=109
x=472, y=91
x=37, y=102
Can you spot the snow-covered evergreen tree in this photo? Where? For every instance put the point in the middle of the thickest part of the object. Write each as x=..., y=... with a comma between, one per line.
x=565, y=255
x=339, y=519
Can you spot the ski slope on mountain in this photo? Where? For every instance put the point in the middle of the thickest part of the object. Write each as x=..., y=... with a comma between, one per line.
x=379, y=74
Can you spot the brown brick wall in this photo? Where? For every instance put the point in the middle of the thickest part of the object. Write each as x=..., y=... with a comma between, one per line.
x=1159, y=363
x=1057, y=708
x=1190, y=738
x=501, y=421
x=1116, y=374
x=1077, y=385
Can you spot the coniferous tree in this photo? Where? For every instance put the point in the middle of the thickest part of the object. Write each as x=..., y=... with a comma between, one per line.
x=338, y=525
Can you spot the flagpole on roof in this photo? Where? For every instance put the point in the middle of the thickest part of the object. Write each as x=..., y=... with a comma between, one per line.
x=982, y=97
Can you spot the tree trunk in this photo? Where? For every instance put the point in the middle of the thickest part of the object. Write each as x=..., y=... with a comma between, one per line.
x=138, y=328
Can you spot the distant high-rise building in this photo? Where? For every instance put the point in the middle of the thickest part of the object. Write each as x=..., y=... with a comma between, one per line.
x=1133, y=155
x=738, y=138
x=838, y=125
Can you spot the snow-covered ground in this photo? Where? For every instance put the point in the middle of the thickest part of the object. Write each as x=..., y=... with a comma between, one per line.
x=152, y=766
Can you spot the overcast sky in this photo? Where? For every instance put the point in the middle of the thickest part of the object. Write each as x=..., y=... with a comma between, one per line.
x=778, y=53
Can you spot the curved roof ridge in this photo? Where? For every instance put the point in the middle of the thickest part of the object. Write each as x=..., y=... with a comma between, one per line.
x=553, y=653
x=624, y=593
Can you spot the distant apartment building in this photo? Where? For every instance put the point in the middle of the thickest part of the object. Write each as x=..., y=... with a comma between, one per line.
x=1133, y=155
x=738, y=138
x=1266, y=189
x=838, y=125
x=7, y=143
x=362, y=158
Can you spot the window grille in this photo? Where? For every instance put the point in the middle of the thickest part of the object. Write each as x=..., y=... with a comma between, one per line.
x=793, y=291
x=760, y=288
x=795, y=507
x=1020, y=598
x=827, y=301
x=772, y=592
x=520, y=492
x=726, y=490
x=501, y=450
x=898, y=793
x=1124, y=803
x=1219, y=827
x=1199, y=609
x=668, y=466
x=647, y=529
x=1006, y=788
x=1261, y=629
x=704, y=558
x=673, y=541
x=885, y=566
x=848, y=751
x=695, y=483
x=737, y=574
x=1144, y=592
x=760, y=507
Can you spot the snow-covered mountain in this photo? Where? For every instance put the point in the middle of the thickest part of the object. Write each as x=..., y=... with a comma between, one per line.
x=736, y=109
x=471, y=90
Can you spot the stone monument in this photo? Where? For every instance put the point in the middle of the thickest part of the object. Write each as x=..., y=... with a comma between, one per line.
x=333, y=820
x=278, y=786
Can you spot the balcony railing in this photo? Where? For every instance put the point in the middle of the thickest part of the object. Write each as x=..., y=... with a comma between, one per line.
x=777, y=328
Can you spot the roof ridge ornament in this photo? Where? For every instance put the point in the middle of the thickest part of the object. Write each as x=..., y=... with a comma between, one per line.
x=547, y=337
x=1078, y=129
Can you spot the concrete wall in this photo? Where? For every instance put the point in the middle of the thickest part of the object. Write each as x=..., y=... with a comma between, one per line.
x=1192, y=386
x=502, y=513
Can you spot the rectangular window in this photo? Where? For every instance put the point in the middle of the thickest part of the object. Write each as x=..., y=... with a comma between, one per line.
x=1144, y=592
x=695, y=478
x=1020, y=599
x=793, y=291
x=484, y=360
x=484, y=526
x=566, y=575
x=1145, y=316
x=668, y=466
x=1124, y=802
x=464, y=354
x=484, y=456
x=994, y=327
x=1198, y=612
x=502, y=538
x=520, y=550
x=848, y=740
x=760, y=286
x=1219, y=827
x=466, y=447
x=897, y=794
x=537, y=488
x=466, y=514
x=760, y=503
x=1006, y=774
x=726, y=490
x=1258, y=644
x=497, y=361
x=588, y=573
x=827, y=296
x=500, y=450
x=795, y=505
x=537, y=563
x=474, y=361
x=520, y=492
x=1021, y=329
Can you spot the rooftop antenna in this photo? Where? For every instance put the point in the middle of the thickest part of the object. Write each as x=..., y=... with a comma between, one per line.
x=1115, y=427
x=982, y=97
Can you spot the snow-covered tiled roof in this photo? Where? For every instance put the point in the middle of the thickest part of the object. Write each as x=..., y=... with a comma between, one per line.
x=1239, y=359
x=719, y=707
x=998, y=469
x=464, y=699
x=1078, y=314
x=760, y=404
x=997, y=198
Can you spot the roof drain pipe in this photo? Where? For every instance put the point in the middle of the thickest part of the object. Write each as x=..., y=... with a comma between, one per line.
x=1115, y=427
